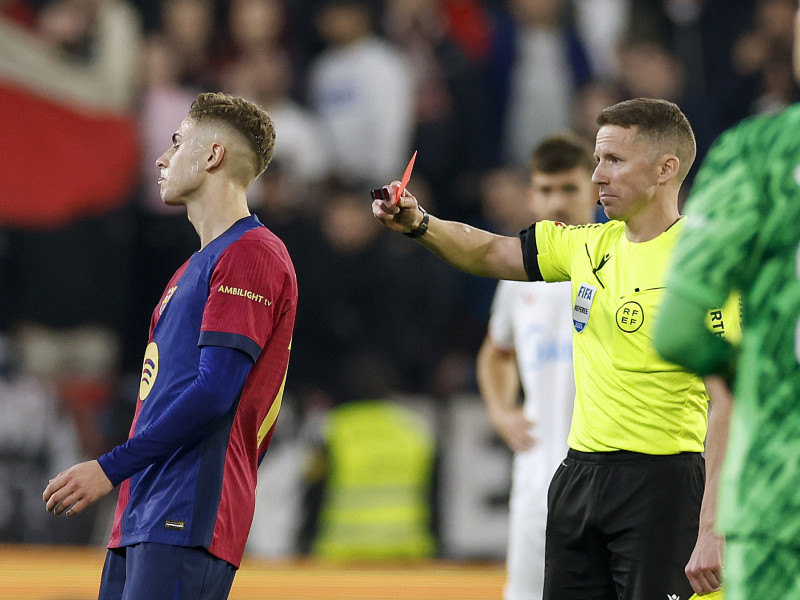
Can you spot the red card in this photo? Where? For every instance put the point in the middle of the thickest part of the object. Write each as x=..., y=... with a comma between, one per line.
x=406, y=177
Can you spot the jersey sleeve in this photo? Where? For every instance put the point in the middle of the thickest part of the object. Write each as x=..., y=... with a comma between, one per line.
x=246, y=297
x=501, y=330
x=691, y=345
x=706, y=340
x=221, y=376
x=554, y=246
x=723, y=218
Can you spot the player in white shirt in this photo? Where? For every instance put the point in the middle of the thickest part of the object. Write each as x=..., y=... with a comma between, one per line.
x=529, y=339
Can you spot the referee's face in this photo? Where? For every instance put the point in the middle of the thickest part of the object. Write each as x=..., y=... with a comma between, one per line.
x=627, y=171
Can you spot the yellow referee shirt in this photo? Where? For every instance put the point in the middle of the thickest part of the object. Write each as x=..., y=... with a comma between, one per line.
x=627, y=397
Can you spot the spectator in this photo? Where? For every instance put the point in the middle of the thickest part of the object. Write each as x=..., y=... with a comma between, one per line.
x=257, y=30
x=701, y=34
x=550, y=64
x=33, y=442
x=588, y=102
x=602, y=25
x=362, y=89
x=484, y=32
x=68, y=90
x=762, y=59
x=346, y=296
x=265, y=76
x=255, y=25
x=469, y=25
x=447, y=102
x=649, y=70
x=501, y=190
x=377, y=500
x=188, y=30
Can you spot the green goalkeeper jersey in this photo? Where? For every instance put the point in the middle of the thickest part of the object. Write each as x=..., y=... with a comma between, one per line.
x=743, y=233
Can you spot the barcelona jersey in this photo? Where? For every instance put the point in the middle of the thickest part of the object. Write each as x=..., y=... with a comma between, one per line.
x=240, y=291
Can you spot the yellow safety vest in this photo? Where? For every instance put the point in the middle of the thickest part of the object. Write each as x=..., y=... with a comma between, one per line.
x=377, y=500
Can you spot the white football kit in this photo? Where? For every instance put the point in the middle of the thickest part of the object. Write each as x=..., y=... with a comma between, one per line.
x=534, y=319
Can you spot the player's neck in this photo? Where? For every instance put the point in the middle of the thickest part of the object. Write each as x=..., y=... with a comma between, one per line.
x=652, y=221
x=212, y=217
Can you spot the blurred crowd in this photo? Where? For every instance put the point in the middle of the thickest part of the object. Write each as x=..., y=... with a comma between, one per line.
x=92, y=90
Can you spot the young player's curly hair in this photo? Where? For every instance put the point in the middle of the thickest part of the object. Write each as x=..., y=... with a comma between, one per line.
x=242, y=115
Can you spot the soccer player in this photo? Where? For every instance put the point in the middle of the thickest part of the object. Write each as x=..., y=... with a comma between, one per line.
x=743, y=234
x=623, y=507
x=529, y=338
x=212, y=378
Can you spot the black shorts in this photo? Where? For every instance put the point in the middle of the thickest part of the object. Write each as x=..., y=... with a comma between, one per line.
x=622, y=526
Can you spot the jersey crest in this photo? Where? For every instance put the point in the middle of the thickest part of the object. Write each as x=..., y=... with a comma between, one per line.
x=167, y=298
x=630, y=316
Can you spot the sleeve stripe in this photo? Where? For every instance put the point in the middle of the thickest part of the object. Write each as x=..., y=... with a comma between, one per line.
x=272, y=415
x=230, y=340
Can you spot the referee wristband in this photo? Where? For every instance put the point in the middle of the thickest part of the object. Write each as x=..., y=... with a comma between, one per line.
x=423, y=227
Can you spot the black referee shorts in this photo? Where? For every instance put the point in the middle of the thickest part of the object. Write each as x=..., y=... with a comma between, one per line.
x=622, y=526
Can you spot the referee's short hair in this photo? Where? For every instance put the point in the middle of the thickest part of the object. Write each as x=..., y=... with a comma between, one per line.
x=661, y=121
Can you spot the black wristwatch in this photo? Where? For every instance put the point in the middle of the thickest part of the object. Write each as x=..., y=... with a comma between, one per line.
x=423, y=227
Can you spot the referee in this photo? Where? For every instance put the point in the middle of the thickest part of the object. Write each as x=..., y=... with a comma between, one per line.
x=624, y=506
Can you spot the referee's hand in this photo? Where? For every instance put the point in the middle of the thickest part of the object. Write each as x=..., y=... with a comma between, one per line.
x=704, y=569
x=76, y=488
x=403, y=216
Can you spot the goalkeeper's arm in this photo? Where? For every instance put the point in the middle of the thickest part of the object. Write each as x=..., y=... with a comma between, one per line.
x=682, y=337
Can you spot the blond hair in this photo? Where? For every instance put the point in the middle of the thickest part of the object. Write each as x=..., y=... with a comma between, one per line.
x=253, y=123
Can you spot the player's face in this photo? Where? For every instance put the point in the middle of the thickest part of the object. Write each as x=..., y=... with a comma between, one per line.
x=627, y=171
x=566, y=196
x=181, y=165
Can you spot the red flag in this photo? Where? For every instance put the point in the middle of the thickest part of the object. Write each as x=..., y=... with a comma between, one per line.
x=61, y=163
x=67, y=126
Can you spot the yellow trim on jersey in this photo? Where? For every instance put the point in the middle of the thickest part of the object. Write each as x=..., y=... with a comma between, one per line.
x=627, y=396
x=727, y=321
x=272, y=415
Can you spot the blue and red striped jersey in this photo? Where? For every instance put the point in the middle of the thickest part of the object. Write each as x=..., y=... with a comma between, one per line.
x=240, y=291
